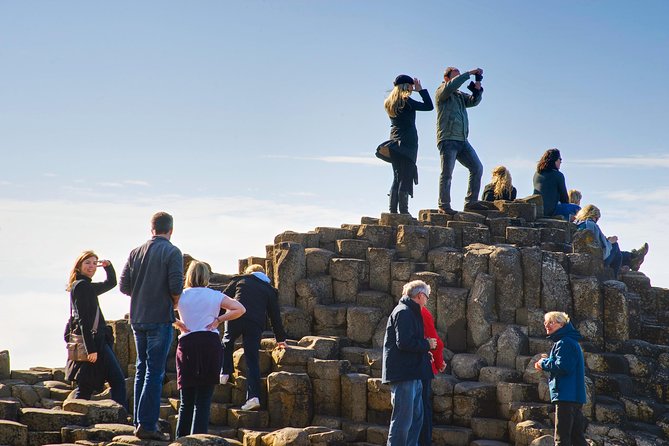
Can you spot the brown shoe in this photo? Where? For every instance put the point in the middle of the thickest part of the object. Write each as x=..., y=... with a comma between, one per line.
x=638, y=256
x=144, y=434
x=447, y=210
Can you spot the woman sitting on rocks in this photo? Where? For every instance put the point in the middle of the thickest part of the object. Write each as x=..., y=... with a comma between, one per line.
x=86, y=319
x=501, y=187
x=587, y=218
x=549, y=183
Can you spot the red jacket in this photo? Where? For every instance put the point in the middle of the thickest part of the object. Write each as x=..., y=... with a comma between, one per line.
x=431, y=332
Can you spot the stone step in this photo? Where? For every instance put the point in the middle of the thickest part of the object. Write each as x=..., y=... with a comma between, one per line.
x=13, y=433
x=250, y=419
x=95, y=433
x=497, y=375
x=490, y=428
x=609, y=411
x=612, y=384
x=50, y=420
x=482, y=442
x=451, y=436
x=606, y=362
x=519, y=392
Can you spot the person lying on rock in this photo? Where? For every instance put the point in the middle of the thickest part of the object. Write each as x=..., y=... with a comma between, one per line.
x=587, y=218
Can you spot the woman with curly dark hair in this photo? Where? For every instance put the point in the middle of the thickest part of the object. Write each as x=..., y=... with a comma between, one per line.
x=550, y=184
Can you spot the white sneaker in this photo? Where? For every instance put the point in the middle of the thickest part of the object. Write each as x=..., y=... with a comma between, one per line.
x=252, y=404
x=223, y=379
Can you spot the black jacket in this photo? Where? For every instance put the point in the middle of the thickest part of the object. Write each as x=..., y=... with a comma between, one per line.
x=403, y=126
x=260, y=300
x=405, y=349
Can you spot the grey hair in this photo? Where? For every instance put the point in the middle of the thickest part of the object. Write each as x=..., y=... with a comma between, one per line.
x=415, y=287
x=557, y=316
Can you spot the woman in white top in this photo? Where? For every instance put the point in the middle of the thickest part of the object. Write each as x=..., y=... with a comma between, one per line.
x=199, y=352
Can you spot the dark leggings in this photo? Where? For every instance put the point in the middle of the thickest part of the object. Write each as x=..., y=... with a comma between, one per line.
x=113, y=375
x=403, y=173
x=194, y=410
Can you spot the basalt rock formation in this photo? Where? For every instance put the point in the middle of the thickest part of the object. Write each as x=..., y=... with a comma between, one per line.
x=493, y=275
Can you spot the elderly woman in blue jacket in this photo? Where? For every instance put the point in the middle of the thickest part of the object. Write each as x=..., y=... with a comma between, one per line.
x=587, y=218
x=566, y=370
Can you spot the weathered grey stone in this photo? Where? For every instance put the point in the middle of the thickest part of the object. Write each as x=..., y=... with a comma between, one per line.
x=474, y=261
x=555, y=290
x=451, y=435
x=348, y=275
x=472, y=235
x=378, y=395
x=506, y=268
x=376, y=299
x=31, y=376
x=401, y=270
x=488, y=351
x=5, y=367
x=49, y=419
x=312, y=291
x=201, y=440
x=544, y=440
x=324, y=347
x=354, y=396
x=330, y=320
x=587, y=295
x=379, y=333
x=317, y=261
x=9, y=408
x=434, y=281
x=523, y=236
x=328, y=236
x=531, y=375
x=531, y=261
x=290, y=401
x=480, y=310
x=97, y=432
x=292, y=358
x=508, y=392
x=107, y=411
x=289, y=267
x=379, y=268
x=122, y=337
x=27, y=395
x=451, y=317
x=517, y=209
x=497, y=375
x=490, y=428
x=616, y=311
x=353, y=248
x=511, y=343
x=361, y=322
x=296, y=322
x=441, y=237
x=527, y=431
x=413, y=242
x=305, y=239
x=610, y=411
x=379, y=236
x=467, y=366
x=13, y=433
x=473, y=399
x=445, y=260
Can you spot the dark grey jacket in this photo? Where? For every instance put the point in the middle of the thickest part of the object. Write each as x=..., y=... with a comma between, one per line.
x=153, y=274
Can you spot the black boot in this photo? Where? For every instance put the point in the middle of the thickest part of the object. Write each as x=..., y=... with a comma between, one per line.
x=393, y=201
x=404, y=203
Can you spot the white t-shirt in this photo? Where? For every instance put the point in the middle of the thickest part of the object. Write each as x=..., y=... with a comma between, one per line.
x=198, y=307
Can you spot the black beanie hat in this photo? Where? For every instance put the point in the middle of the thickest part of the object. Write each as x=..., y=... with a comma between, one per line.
x=403, y=79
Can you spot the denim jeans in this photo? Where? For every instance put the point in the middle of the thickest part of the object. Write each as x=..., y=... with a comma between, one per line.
x=113, y=375
x=406, y=420
x=566, y=210
x=570, y=424
x=153, y=344
x=194, y=410
x=464, y=153
x=251, y=334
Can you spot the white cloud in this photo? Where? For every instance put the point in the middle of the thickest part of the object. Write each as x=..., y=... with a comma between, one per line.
x=136, y=183
x=651, y=196
x=361, y=160
x=661, y=161
x=110, y=184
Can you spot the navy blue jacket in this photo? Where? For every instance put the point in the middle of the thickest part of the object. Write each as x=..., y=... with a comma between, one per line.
x=551, y=186
x=565, y=366
x=405, y=349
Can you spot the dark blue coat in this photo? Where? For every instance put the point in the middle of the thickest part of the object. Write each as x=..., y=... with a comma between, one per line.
x=405, y=349
x=565, y=366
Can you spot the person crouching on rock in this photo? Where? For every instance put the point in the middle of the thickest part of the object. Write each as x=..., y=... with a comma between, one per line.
x=402, y=112
x=86, y=319
x=199, y=354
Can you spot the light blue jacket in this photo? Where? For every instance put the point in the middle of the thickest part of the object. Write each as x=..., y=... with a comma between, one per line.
x=604, y=243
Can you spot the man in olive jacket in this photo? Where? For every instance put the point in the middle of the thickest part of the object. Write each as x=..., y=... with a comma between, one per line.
x=452, y=133
x=406, y=363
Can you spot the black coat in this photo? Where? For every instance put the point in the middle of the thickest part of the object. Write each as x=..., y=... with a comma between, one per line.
x=403, y=126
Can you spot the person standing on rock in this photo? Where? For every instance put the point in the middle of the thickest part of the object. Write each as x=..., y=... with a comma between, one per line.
x=86, y=319
x=403, y=150
x=406, y=363
x=153, y=278
x=254, y=292
x=199, y=353
x=452, y=134
x=566, y=370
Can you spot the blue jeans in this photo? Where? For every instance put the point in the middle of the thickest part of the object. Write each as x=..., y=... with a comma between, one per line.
x=194, y=400
x=153, y=344
x=566, y=210
x=113, y=375
x=251, y=334
x=464, y=153
x=406, y=420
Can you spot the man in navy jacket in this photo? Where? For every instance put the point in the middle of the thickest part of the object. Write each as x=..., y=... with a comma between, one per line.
x=566, y=383
x=406, y=362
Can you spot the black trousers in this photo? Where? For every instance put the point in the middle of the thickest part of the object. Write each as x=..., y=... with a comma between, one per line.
x=403, y=173
x=570, y=424
x=251, y=334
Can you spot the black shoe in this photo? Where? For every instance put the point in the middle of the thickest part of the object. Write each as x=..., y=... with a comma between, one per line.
x=447, y=210
x=475, y=206
x=403, y=200
x=144, y=434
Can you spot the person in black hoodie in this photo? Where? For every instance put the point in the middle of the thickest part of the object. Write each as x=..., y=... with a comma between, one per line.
x=406, y=362
x=403, y=154
x=254, y=292
x=102, y=364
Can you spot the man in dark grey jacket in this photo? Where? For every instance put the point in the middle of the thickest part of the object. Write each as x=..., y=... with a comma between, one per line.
x=406, y=363
x=452, y=133
x=153, y=277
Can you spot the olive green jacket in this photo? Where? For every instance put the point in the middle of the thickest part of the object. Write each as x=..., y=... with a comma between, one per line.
x=452, y=104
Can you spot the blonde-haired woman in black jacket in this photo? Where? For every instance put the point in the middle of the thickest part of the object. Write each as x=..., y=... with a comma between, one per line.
x=101, y=365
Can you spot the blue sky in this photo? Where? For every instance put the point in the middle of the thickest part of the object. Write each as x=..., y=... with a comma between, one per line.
x=245, y=119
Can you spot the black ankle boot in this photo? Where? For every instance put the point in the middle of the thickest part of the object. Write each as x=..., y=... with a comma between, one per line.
x=393, y=201
x=404, y=203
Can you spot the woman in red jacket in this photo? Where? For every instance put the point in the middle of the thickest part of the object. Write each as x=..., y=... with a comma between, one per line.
x=438, y=366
